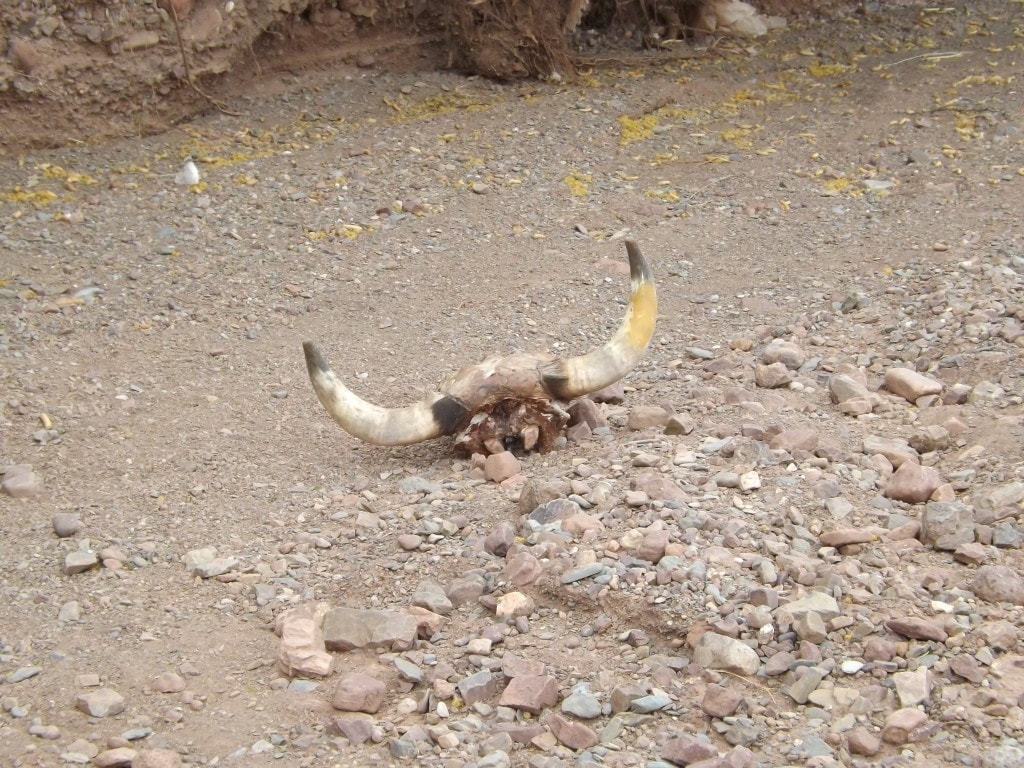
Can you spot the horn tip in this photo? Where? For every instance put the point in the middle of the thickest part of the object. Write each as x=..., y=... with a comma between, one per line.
x=314, y=360
x=638, y=267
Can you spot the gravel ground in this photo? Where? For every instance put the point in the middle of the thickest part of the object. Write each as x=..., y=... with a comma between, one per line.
x=796, y=541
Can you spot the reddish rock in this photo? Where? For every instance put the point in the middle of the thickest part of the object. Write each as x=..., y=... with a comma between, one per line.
x=499, y=467
x=571, y=734
x=686, y=749
x=530, y=693
x=357, y=692
x=910, y=384
x=790, y=440
x=646, y=416
x=912, y=483
x=719, y=701
x=901, y=724
x=861, y=741
x=916, y=629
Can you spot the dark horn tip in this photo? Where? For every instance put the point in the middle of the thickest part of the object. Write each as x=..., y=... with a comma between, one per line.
x=638, y=267
x=314, y=360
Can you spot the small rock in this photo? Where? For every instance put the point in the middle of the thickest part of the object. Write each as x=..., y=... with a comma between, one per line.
x=947, y=525
x=912, y=483
x=66, y=524
x=716, y=651
x=687, y=749
x=167, y=682
x=998, y=584
x=530, y=693
x=899, y=725
x=861, y=741
x=791, y=440
x=916, y=629
x=20, y=482
x=157, y=758
x=910, y=384
x=499, y=467
x=772, y=376
x=102, y=703
x=571, y=734
x=647, y=416
x=513, y=604
x=357, y=692
x=719, y=701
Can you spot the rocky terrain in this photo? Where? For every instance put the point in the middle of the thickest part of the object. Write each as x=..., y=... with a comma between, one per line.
x=792, y=537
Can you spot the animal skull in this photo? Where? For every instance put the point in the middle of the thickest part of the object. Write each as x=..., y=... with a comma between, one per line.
x=503, y=399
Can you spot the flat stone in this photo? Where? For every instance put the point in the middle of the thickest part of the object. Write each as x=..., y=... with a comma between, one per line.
x=790, y=440
x=118, y=757
x=846, y=536
x=302, y=651
x=861, y=741
x=687, y=749
x=842, y=388
x=480, y=686
x=530, y=693
x=102, y=703
x=345, y=629
x=582, y=704
x=914, y=687
x=513, y=604
x=647, y=416
x=772, y=376
x=910, y=384
x=898, y=452
x=571, y=734
x=820, y=603
x=916, y=628
x=157, y=758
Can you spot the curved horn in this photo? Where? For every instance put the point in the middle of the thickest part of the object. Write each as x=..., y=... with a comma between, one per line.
x=433, y=416
x=574, y=377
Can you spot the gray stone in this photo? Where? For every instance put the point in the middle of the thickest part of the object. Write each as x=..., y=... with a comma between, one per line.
x=431, y=596
x=947, y=524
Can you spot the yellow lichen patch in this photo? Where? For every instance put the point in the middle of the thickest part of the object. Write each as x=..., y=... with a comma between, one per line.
x=636, y=129
x=37, y=197
x=717, y=159
x=441, y=104
x=837, y=185
x=965, y=126
x=70, y=177
x=827, y=70
x=997, y=80
x=668, y=195
x=578, y=183
x=347, y=231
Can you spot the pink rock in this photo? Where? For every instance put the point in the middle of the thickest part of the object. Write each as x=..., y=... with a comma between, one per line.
x=912, y=483
x=499, y=467
x=530, y=693
x=719, y=701
x=102, y=703
x=910, y=384
x=686, y=749
x=571, y=734
x=20, y=481
x=646, y=416
x=790, y=440
x=357, y=692
x=900, y=725
x=157, y=758
x=302, y=651
x=522, y=569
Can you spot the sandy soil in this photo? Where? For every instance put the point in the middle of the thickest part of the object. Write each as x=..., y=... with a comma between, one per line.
x=853, y=187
